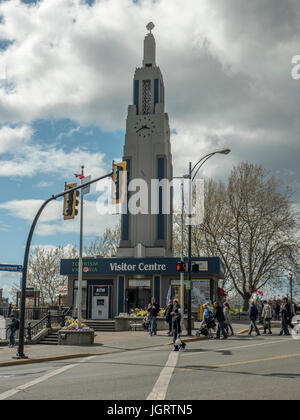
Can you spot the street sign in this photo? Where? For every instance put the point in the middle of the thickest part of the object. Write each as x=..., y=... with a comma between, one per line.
x=86, y=190
x=11, y=268
x=188, y=285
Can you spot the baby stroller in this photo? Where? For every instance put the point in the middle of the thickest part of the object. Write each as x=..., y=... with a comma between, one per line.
x=207, y=327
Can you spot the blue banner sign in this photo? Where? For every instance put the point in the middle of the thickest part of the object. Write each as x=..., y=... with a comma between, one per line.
x=117, y=266
x=11, y=268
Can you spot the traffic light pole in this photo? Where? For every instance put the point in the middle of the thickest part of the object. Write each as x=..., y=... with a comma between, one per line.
x=189, y=320
x=20, y=353
x=79, y=290
x=182, y=244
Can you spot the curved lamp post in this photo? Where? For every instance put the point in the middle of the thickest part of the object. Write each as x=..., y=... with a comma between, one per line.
x=193, y=171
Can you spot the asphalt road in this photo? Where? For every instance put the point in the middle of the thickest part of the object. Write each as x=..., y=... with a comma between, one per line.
x=264, y=367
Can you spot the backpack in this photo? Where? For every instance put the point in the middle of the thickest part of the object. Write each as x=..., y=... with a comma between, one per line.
x=17, y=325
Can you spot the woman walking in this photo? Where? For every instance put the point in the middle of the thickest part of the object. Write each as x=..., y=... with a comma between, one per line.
x=228, y=319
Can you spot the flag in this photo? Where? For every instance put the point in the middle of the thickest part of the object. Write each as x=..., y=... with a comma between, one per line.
x=168, y=296
x=79, y=176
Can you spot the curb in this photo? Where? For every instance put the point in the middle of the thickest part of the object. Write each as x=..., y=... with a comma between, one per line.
x=260, y=329
x=44, y=359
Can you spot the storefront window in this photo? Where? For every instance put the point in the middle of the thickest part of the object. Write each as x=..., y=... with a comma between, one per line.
x=139, y=293
x=200, y=293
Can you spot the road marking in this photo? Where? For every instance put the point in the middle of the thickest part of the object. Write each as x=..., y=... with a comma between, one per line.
x=14, y=391
x=160, y=389
x=241, y=347
x=245, y=362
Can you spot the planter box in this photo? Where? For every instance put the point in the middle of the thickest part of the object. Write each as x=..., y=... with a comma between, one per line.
x=76, y=338
x=123, y=323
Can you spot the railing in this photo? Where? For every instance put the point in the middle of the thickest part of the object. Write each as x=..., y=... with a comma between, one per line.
x=46, y=322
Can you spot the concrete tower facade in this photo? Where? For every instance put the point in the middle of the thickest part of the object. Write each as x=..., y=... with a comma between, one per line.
x=147, y=151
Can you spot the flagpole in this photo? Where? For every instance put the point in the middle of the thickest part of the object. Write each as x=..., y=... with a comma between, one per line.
x=79, y=292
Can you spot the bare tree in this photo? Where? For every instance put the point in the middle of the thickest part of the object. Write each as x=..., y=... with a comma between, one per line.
x=251, y=224
x=106, y=245
x=252, y=228
x=44, y=271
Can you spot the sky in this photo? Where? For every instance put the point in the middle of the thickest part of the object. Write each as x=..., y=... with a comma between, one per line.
x=66, y=70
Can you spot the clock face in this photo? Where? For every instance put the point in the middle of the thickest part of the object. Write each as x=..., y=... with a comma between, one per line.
x=144, y=127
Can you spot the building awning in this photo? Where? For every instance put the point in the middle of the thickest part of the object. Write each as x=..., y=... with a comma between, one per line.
x=222, y=292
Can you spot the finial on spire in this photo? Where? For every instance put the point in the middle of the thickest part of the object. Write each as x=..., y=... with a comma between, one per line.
x=150, y=26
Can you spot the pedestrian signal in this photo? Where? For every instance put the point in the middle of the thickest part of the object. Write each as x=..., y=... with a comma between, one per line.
x=181, y=267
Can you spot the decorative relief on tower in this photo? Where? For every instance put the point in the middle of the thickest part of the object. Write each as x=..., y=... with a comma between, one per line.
x=147, y=98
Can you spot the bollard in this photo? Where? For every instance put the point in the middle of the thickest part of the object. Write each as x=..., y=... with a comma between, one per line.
x=63, y=320
x=48, y=320
x=28, y=334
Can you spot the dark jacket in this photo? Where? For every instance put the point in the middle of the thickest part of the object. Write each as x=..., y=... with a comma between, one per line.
x=168, y=311
x=176, y=321
x=153, y=309
x=13, y=325
x=219, y=314
x=286, y=310
x=253, y=312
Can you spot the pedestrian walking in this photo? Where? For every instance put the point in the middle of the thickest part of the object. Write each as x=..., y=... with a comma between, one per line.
x=13, y=326
x=277, y=311
x=285, y=314
x=260, y=308
x=253, y=314
x=153, y=310
x=228, y=318
x=267, y=316
x=168, y=316
x=176, y=328
x=219, y=315
x=206, y=312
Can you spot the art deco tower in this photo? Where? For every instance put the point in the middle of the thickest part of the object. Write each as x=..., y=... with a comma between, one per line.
x=147, y=151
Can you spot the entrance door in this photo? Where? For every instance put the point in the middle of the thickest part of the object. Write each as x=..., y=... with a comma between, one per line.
x=100, y=302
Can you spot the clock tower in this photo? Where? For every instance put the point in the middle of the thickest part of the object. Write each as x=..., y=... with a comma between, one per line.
x=147, y=150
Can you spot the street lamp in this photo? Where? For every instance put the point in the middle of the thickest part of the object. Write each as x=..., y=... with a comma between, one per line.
x=193, y=171
x=291, y=277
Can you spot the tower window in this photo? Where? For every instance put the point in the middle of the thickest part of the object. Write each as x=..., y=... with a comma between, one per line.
x=147, y=99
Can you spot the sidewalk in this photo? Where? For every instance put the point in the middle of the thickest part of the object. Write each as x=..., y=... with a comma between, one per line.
x=105, y=343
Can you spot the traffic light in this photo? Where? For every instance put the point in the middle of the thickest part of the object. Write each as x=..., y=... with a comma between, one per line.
x=119, y=182
x=71, y=202
x=181, y=267
x=195, y=268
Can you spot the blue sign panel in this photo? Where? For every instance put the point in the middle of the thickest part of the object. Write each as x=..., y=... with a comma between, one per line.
x=12, y=268
x=146, y=266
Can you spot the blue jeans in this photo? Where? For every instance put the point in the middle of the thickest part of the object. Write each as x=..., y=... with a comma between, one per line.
x=153, y=325
x=221, y=327
x=12, y=341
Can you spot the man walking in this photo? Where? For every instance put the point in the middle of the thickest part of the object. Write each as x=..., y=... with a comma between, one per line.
x=219, y=315
x=286, y=315
x=267, y=316
x=12, y=327
x=176, y=327
x=253, y=314
x=168, y=311
x=153, y=310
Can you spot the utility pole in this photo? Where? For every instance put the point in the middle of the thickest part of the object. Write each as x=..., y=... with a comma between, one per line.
x=79, y=291
x=189, y=321
x=182, y=252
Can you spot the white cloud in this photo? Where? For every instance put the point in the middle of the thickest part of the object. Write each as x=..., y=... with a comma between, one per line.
x=14, y=138
x=28, y=158
x=51, y=221
x=226, y=64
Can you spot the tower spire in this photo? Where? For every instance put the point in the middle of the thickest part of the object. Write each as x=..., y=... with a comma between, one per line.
x=149, y=47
